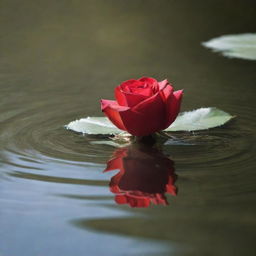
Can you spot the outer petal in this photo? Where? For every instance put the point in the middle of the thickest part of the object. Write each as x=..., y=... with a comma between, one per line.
x=165, y=89
x=173, y=107
x=146, y=90
x=133, y=99
x=112, y=110
x=145, y=118
x=162, y=84
x=120, y=97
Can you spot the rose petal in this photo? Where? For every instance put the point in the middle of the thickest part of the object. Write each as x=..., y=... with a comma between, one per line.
x=145, y=118
x=112, y=110
x=126, y=85
x=143, y=106
x=120, y=97
x=165, y=89
x=146, y=91
x=173, y=106
x=148, y=80
x=162, y=84
x=134, y=99
x=152, y=82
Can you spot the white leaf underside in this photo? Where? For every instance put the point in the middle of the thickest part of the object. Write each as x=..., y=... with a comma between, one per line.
x=199, y=119
x=235, y=46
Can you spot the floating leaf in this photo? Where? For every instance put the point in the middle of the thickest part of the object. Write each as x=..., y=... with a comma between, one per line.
x=238, y=46
x=200, y=119
x=93, y=126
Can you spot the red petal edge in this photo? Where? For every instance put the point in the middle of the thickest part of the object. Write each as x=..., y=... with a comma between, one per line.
x=111, y=110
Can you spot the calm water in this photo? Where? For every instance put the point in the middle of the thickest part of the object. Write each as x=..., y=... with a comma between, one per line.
x=57, y=59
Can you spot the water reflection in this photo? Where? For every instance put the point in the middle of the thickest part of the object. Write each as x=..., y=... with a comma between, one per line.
x=145, y=176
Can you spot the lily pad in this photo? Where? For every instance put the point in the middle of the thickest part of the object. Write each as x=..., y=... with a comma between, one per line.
x=235, y=46
x=200, y=119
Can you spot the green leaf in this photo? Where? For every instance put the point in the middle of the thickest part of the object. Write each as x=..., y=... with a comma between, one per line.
x=235, y=46
x=93, y=126
x=200, y=119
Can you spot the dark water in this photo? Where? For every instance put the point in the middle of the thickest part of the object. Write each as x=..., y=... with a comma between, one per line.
x=57, y=59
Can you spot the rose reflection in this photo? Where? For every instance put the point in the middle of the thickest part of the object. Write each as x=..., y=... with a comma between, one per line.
x=145, y=175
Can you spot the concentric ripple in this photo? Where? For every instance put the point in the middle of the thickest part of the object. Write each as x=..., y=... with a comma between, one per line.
x=220, y=147
x=41, y=149
x=32, y=132
x=232, y=145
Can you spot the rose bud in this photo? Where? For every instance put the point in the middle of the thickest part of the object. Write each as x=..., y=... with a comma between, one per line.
x=143, y=106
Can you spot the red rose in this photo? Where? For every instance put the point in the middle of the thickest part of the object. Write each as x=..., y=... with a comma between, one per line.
x=143, y=106
x=145, y=176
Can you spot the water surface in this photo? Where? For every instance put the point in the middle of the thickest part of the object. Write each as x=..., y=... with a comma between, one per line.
x=57, y=59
